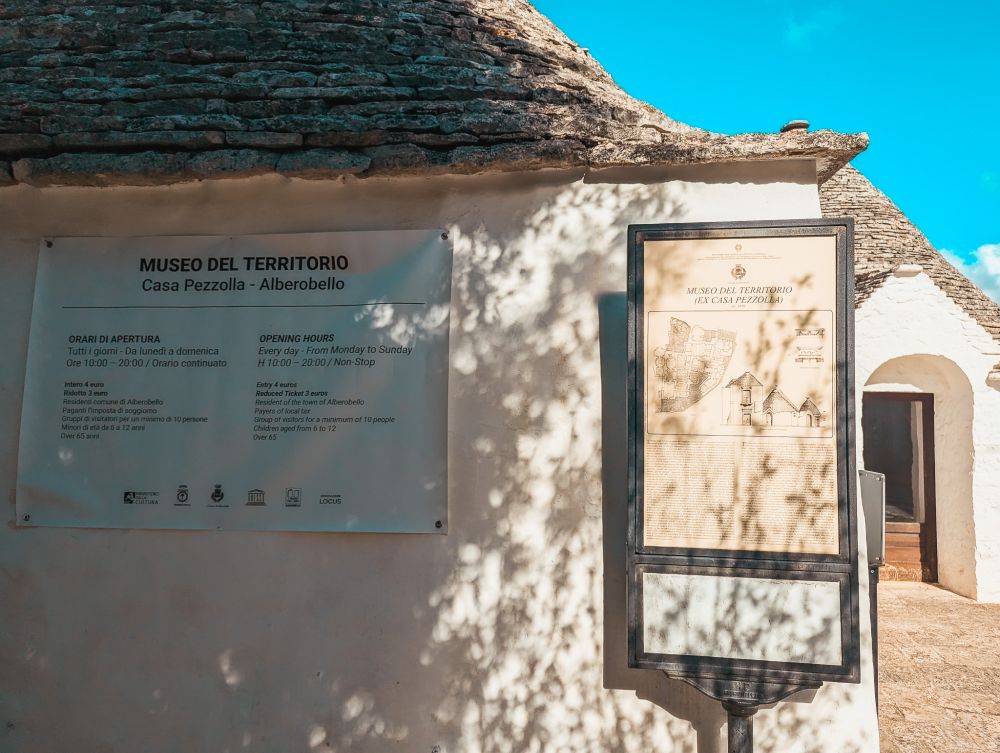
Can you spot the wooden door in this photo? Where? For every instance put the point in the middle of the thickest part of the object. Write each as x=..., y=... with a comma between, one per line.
x=898, y=429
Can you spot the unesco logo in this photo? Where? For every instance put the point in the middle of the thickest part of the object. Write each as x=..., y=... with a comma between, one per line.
x=738, y=272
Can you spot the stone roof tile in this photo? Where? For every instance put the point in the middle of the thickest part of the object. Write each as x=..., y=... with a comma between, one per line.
x=406, y=86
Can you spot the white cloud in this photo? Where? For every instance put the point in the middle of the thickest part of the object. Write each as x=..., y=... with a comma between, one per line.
x=801, y=31
x=983, y=268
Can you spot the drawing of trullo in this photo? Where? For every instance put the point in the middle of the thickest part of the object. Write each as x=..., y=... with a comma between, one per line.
x=749, y=403
x=745, y=401
x=778, y=410
x=810, y=414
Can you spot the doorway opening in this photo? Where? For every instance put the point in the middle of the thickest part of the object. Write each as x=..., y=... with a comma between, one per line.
x=898, y=429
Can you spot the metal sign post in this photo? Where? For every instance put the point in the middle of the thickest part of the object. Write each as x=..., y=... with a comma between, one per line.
x=742, y=544
x=739, y=713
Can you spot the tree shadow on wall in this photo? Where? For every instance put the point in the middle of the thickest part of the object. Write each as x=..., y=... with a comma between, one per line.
x=506, y=635
x=522, y=633
x=792, y=725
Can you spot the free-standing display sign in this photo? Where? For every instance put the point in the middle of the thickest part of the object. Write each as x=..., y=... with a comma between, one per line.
x=742, y=550
x=285, y=382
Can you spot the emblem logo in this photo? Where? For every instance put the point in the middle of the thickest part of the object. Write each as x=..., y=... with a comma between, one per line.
x=255, y=498
x=182, y=494
x=738, y=272
x=132, y=497
x=293, y=497
x=217, y=493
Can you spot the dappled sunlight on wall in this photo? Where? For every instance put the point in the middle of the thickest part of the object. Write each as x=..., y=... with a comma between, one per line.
x=507, y=634
x=806, y=723
x=523, y=609
x=519, y=623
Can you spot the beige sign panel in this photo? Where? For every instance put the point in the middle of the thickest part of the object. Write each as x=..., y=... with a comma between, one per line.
x=740, y=406
x=272, y=382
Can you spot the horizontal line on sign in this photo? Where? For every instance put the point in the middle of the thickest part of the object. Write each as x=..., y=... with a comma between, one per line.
x=264, y=305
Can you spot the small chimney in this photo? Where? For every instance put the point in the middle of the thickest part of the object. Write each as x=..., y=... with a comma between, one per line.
x=795, y=125
x=907, y=270
x=993, y=378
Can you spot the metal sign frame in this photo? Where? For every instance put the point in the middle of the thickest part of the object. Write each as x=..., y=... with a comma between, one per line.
x=840, y=567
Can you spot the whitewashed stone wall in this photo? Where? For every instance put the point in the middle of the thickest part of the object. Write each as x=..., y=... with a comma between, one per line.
x=507, y=634
x=912, y=337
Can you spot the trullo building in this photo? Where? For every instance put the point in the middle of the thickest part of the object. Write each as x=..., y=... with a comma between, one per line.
x=480, y=118
x=927, y=347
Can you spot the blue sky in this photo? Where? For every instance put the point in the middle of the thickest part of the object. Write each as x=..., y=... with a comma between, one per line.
x=922, y=79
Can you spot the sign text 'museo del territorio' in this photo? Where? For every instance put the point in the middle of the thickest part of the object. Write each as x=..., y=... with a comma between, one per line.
x=283, y=382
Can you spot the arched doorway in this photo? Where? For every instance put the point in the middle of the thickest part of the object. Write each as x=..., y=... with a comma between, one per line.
x=916, y=413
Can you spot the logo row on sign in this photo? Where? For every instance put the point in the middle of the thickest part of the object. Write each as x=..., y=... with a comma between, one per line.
x=254, y=498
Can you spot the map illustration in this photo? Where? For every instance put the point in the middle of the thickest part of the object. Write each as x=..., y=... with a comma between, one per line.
x=690, y=365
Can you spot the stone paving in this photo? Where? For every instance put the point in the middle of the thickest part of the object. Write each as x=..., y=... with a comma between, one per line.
x=939, y=671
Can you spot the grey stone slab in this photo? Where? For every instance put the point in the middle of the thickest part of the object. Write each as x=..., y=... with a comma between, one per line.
x=322, y=163
x=264, y=139
x=139, y=140
x=18, y=143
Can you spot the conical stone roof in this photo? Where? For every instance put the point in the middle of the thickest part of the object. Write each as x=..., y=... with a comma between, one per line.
x=884, y=238
x=808, y=406
x=776, y=402
x=140, y=93
x=745, y=382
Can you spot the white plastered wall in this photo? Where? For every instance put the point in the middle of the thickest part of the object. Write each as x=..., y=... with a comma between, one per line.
x=912, y=337
x=507, y=634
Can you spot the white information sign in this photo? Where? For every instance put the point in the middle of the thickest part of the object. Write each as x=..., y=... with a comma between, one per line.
x=765, y=619
x=270, y=382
